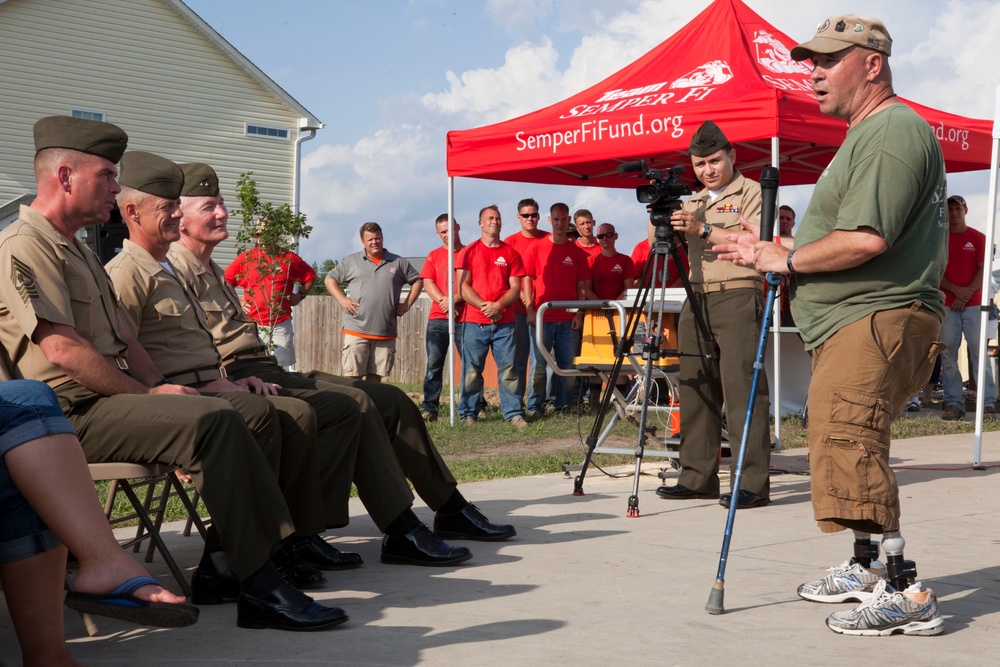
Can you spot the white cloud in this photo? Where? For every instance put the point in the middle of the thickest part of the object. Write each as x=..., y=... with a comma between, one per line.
x=397, y=175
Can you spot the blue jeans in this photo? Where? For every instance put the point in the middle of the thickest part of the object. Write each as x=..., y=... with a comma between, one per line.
x=560, y=341
x=956, y=323
x=477, y=340
x=437, y=356
x=522, y=350
x=28, y=411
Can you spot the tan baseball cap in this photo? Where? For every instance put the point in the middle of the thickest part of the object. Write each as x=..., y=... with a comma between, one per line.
x=839, y=32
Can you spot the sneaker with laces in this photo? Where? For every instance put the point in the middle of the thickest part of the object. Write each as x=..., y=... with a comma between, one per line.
x=888, y=611
x=848, y=581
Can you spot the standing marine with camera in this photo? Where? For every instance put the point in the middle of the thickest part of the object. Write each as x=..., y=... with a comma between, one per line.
x=717, y=369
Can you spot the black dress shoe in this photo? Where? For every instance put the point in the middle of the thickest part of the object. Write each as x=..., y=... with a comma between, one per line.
x=294, y=570
x=286, y=608
x=315, y=551
x=421, y=547
x=471, y=524
x=746, y=500
x=209, y=587
x=677, y=491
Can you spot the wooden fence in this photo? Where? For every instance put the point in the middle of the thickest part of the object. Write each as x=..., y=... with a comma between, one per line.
x=318, y=341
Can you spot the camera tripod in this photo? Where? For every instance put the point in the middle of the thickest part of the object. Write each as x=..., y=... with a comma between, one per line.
x=664, y=248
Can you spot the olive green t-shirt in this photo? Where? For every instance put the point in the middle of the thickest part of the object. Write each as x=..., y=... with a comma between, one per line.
x=889, y=176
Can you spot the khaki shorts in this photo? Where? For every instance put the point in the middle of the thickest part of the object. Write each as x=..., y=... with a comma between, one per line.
x=362, y=356
x=862, y=377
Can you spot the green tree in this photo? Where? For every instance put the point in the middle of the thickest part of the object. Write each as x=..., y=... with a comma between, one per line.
x=318, y=287
x=274, y=230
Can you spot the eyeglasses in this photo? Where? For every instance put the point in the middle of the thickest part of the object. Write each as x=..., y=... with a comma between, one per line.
x=601, y=237
x=528, y=215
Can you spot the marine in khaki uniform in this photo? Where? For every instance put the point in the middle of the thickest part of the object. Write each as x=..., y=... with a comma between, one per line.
x=394, y=439
x=730, y=300
x=170, y=326
x=60, y=323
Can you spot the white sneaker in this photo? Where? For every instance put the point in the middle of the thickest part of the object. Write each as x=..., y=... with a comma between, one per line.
x=848, y=581
x=912, y=612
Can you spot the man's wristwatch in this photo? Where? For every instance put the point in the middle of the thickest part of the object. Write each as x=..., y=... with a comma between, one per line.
x=706, y=231
x=788, y=263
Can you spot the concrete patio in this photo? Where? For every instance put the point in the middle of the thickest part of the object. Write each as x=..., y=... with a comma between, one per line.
x=582, y=584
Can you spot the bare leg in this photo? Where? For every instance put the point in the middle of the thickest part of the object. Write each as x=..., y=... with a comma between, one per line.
x=51, y=473
x=34, y=590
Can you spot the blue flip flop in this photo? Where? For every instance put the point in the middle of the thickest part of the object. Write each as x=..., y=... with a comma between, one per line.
x=123, y=605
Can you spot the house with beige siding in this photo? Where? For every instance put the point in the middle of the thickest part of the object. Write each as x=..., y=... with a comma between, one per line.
x=157, y=70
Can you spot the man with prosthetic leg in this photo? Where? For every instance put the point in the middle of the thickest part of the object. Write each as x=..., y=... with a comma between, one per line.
x=864, y=271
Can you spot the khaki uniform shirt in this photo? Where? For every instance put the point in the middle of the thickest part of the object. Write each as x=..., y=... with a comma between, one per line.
x=45, y=276
x=168, y=322
x=232, y=329
x=740, y=198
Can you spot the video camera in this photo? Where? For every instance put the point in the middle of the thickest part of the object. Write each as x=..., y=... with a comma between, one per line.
x=662, y=195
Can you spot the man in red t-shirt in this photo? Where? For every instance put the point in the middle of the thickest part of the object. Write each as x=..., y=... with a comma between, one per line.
x=490, y=282
x=437, y=339
x=640, y=257
x=555, y=270
x=584, y=221
x=611, y=272
x=272, y=283
x=527, y=215
x=962, y=285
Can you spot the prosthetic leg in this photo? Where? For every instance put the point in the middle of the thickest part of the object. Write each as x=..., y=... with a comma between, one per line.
x=901, y=573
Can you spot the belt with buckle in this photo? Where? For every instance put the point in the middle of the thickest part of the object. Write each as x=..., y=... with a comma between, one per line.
x=741, y=283
x=256, y=354
x=197, y=376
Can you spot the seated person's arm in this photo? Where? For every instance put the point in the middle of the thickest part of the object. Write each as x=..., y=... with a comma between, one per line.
x=66, y=350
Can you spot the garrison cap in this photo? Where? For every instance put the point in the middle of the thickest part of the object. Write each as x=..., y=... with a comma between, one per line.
x=839, y=32
x=151, y=174
x=200, y=180
x=707, y=140
x=87, y=136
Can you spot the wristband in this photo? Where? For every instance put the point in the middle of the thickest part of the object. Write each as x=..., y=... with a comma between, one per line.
x=788, y=262
x=706, y=231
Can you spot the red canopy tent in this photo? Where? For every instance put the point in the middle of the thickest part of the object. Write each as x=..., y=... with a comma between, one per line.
x=729, y=65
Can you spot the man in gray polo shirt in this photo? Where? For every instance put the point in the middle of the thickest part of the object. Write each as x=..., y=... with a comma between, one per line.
x=370, y=313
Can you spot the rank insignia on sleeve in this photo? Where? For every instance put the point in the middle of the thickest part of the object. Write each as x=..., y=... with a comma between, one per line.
x=24, y=279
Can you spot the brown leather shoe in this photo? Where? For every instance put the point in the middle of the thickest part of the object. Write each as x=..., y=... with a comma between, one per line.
x=953, y=413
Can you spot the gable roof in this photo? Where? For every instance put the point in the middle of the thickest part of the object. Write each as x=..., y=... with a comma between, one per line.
x=728, y=65
x=307, y=120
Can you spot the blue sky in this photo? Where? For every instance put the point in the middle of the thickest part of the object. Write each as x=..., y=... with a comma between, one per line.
x=389, y=79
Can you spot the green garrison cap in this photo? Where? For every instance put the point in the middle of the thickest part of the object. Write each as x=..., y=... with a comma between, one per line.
x=87, y=136
x=151, y=174
x=839, y=32
x=707, y=140
x=200, y=180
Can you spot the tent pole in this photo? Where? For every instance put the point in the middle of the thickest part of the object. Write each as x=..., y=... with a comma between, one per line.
x=451, y=300
x=776, y=319
x=991, y=215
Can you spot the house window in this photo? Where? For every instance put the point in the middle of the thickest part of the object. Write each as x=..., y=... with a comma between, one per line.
x=87, y=114
x=266, y=132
